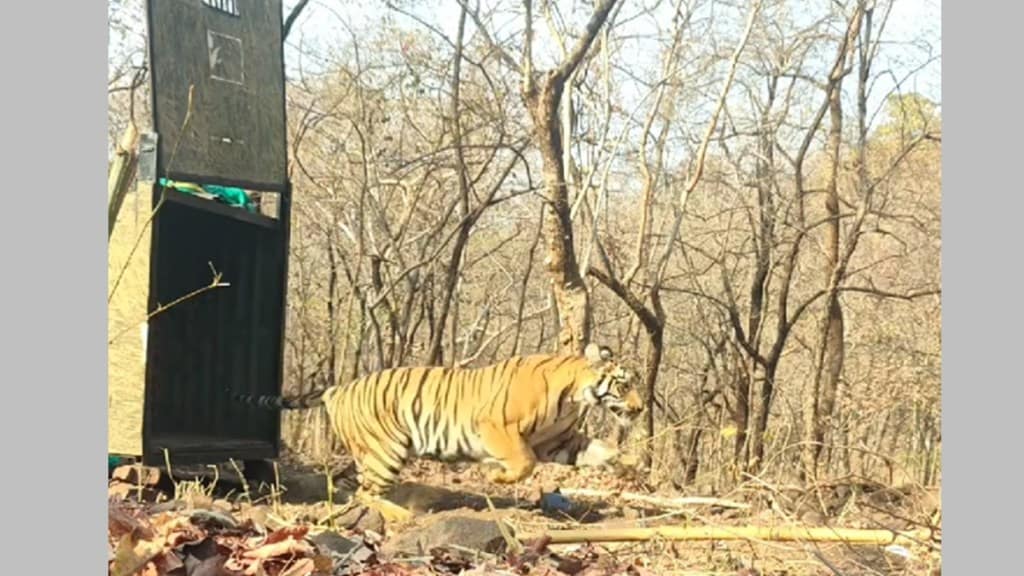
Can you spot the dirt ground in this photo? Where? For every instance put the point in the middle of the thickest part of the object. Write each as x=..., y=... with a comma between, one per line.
x=458, y=512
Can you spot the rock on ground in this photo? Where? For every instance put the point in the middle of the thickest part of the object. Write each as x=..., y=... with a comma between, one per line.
x=465, y=529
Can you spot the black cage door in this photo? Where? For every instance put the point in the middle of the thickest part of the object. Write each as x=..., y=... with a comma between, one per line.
x=231, y=130
x=228, y=338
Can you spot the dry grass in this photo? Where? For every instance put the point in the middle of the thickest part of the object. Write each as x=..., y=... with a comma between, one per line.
x=434, y=489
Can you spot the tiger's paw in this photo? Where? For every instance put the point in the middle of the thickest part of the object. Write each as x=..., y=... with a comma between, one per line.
x=505, y=476
x=499, y=476
x=391, y=512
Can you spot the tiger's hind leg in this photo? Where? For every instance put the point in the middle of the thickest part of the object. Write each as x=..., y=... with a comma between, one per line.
x=377, y=474
x=391, y=512
x=371, y=497
x=507, y=447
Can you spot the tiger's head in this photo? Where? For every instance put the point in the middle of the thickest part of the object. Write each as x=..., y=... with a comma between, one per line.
x=612, y=389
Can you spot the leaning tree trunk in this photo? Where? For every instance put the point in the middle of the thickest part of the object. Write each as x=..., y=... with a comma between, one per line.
x=571, y=297
x=819, y=403
x=542, y=94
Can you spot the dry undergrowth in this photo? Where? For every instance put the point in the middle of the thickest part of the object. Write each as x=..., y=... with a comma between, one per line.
x=434, y=490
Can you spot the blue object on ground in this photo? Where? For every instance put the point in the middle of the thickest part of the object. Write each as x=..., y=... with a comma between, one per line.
x=554, y=502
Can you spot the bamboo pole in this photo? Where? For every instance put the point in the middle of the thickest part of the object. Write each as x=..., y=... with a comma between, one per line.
x=764, y=533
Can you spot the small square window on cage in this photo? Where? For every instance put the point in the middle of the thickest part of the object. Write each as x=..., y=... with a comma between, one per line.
x=225, y=57
x=226, y=6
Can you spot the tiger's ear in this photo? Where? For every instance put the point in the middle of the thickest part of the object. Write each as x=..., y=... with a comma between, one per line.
x=596, y=354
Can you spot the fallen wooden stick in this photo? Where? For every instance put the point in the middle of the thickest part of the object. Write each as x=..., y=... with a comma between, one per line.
x=681, y=502
x=120, y=173
x=765, y=533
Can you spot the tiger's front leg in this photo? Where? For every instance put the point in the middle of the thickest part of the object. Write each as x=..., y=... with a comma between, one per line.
x=506, y=446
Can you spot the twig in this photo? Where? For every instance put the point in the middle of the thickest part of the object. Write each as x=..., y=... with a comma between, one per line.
x=135, y=246
x=241, y=476
x=216, y=283
x=654, y=500
x=292, y=17
x=510, y=540
x=276, y=490
x=466, y=550
x=821, y=558
x=702, y=150
x=122, y=170
x=170, y=474
x=170, y=162
x=334, y=514
x=184, y=127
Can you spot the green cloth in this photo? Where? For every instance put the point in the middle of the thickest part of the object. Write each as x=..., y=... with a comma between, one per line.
x=229, y=195
x=113, y=462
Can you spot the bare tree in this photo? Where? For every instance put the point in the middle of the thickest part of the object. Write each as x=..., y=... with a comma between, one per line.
x=766, y=244
x=542, y=93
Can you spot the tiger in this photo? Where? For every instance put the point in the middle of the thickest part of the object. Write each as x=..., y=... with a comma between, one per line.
x=514, y=413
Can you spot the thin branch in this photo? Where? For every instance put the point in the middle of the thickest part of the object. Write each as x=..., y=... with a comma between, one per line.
x=170, y=162
x=503, y=55
x=705, y=141
x=287, y=27
x=597, y=18
x=213, y=285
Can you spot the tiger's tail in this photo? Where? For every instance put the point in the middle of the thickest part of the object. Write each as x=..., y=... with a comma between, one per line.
x=271, y=402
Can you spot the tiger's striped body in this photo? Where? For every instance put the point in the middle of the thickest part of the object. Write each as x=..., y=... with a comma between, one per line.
x=514, y=413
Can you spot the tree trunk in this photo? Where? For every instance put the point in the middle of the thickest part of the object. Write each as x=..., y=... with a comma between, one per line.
x=692, y=458
x=819, y=403
x=742, y=414
x=656, y=339
x=763, y=414
x=571, y=297
x=435, y=352
x=542, y=95
x=517, y=338
x=332, y=313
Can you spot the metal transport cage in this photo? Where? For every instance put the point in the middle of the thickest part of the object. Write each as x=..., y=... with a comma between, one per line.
x=213, y=176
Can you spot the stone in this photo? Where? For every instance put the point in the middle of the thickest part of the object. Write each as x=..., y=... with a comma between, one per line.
x=136, y=475
x=346, y=554
x=463, y=530
x=124, y=491
x=332, y=542
x=362, y=519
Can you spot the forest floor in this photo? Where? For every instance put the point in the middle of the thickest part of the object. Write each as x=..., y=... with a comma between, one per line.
x=200, y=522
